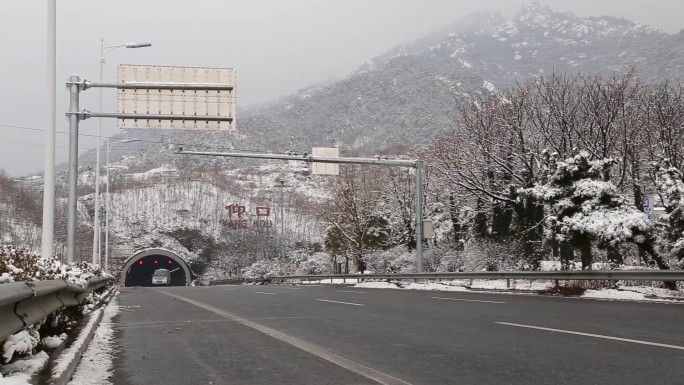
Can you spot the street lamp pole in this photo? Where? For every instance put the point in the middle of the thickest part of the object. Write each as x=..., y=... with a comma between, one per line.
x=104, y=51
x=108, y=202
x=47, y=236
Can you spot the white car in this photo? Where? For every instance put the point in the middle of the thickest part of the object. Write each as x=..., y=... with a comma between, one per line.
x=161, y=277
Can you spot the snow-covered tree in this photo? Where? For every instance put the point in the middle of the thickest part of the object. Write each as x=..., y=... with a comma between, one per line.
x=586, y=209
x=671, y=190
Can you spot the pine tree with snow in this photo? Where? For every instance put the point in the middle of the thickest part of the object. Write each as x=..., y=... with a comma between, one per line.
x=670, y=183
x=585, y=208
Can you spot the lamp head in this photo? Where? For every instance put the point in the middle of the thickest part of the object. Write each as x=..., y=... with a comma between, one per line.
x=138, y=45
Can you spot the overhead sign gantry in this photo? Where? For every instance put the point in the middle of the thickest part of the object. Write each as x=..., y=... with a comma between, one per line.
x=153, y=97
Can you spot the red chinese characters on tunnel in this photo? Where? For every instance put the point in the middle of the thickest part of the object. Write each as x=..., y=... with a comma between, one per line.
x=240, y=218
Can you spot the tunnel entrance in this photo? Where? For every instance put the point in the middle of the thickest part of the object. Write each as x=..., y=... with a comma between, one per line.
x=140, y=268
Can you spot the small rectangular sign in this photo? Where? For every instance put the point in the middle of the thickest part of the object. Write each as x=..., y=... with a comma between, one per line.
x=428, y=232
x=318, y=168
x=176, y=102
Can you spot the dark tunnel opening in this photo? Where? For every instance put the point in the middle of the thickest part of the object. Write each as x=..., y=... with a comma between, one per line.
x=140, y=273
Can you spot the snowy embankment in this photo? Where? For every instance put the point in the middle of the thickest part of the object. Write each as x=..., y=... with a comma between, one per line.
x=587, y=289
x=642, y=293
x=97, y=361
x=26, y=352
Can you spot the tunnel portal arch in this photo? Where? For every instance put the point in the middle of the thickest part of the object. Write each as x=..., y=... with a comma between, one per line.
x=138, y=259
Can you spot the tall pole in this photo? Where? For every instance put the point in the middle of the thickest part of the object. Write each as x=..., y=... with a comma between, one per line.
x=96, y=223
x=282, y=220
x=97, y=245
x=419, y=217
x=72, y=203
x=107, y=203
x=47, y=237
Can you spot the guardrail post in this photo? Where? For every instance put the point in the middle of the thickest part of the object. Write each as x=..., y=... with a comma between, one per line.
x=508, y=283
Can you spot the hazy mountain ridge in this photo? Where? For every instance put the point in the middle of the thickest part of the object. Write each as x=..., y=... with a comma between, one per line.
x=407, y=95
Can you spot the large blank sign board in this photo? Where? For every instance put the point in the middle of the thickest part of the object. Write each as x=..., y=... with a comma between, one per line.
x=176, y=102
x=319, y=168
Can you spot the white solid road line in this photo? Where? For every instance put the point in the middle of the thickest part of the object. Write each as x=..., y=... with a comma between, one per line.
x=594, y=335
x=356, y=367
x=344, y=303
x=351, y=291
x=227, y=289
x=263, y=292
x=466, y=300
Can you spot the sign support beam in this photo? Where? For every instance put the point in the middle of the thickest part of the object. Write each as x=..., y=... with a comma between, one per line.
x=416, y=164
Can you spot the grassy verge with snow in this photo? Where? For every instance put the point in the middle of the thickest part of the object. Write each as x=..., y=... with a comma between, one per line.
x=26, y=351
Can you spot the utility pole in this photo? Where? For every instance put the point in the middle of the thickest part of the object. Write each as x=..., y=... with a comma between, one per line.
x=281, y=238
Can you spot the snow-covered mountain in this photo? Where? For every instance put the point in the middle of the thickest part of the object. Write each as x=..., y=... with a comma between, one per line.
x=408, y=95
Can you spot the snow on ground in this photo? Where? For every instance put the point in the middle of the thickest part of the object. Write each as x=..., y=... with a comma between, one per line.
x=460, y=285
x=333, y=281
x=634, y=293
x=640, y=293
x=23, y=342
x=377, y=285
x=655, y=291
x=489, y=86
x=16, y=379
x=53, y=341
x=20, y=372
x=155, y=171
x=62, y=362
x=613, y=294
x=434, y=287
x=96, y=364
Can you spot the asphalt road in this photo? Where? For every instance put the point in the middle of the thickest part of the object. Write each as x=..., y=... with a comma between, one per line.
x=338, y=335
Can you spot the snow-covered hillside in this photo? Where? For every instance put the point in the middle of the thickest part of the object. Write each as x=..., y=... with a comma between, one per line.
x=148, y=209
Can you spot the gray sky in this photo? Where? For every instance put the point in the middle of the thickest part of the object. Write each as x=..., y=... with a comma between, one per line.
x=277, y=46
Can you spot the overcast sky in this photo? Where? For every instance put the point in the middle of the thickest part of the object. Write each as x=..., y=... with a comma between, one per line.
x=277, y=46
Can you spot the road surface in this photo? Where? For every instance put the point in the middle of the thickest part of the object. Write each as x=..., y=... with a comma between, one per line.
x=281, y=334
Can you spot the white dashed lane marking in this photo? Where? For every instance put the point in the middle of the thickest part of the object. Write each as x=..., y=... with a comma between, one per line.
x=466, y=300
x=594, y=335
x=343, y=303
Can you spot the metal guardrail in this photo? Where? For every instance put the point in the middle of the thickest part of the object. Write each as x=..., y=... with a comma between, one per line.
x=585, y=275
x=25, y=303
x=230, y=281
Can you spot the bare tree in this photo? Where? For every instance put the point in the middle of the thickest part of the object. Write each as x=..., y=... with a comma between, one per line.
x=352, y=210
